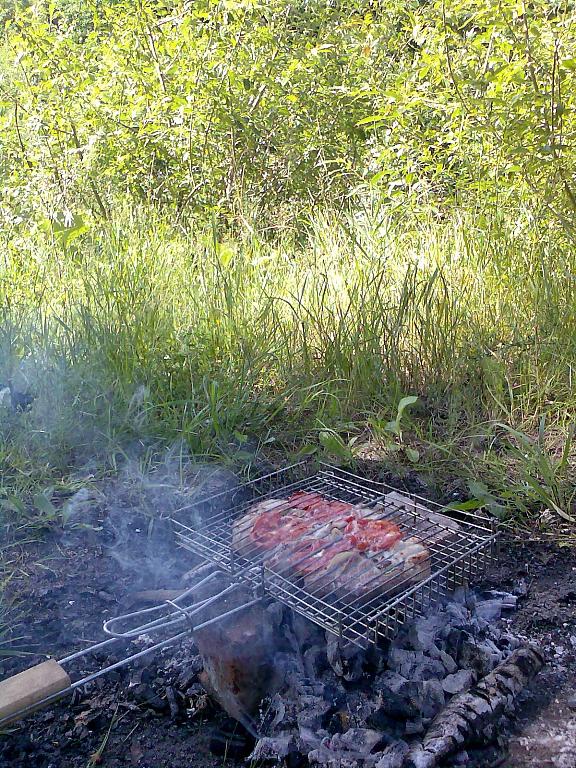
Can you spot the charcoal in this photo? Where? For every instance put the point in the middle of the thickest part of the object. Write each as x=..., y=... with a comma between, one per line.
x=464, y=597
x=414, y=727
x=290, y=668
x=453, y=640
x=449, y=664
x=349, y=750
x=403, y=661
x=174, y=702
x=389, y=682
x=432, y=698
x=398, y=656
x=315, y=712
x=508, y=600
x=359, y=740
x=414, y=665
x=298, y=684
x=508, y=642
x=393, y=756
x=430, y=669
x=399, y=698
x=421, y=639
x=520, y=588
x=196, y=689
x=324, y=756
x=315, y=661
x=273, y=713
x=305, y=631
x=489, y=610
x=433, y=651
x=457, y=614
x=190, y=673
x=336, y=695
x=385, y=723
x=458, y=682
x=275, y=749
x=356, y=708
x=346, y=659
x=481, y=656
x=422, y=634
x=145, y=694
x=311, y=739
x=231, y=740
x=141, y=676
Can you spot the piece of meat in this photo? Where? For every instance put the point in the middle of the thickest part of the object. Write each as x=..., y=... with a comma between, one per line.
x=320, y=508
x=367, y=534
x=302, y=557
x=338, y=549
x=351, y=576
x=273, y=522
x=243, y=541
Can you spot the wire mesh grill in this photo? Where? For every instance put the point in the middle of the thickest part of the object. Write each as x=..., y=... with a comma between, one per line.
x=459, y=549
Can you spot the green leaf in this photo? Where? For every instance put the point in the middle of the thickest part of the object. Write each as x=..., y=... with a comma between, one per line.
x=412, y=454
x=372, y=120
x=394, y=426
x=334, y=445
x=43, y=504
x=13, y=504
x=65, y=230
x=306, y=450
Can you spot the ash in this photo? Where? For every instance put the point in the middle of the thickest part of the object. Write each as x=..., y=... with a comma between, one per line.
x=339, y=705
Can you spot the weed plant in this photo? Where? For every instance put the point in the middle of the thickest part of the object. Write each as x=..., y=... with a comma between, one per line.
x=138, y=332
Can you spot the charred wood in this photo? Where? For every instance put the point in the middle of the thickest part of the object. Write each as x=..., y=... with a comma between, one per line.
x=468, y=715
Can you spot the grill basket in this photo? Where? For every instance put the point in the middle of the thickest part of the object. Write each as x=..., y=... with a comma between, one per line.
x=461, y=547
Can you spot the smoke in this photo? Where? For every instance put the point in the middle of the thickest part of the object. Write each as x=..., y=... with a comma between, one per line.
x=139, y=504
x=54, y=411
x=56, y=417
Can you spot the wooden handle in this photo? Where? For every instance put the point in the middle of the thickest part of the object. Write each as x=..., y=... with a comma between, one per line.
x=29, y=688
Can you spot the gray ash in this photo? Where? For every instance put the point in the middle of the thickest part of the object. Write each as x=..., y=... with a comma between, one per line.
x=340, y=705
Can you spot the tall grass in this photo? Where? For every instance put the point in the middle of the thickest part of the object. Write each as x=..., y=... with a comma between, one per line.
x=141, y=329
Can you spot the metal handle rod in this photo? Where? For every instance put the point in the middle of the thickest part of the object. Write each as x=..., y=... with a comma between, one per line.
x=165, y=621
x=168, y=620
x=142, y=628
x=155, y=608
x=83, y=681
x=121, y=663
x=228, y=613
x=88, y=650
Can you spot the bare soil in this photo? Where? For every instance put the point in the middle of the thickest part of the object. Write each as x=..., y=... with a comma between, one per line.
x=66, y=585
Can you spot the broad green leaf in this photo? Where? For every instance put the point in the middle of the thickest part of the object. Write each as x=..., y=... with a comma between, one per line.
x=412, y=453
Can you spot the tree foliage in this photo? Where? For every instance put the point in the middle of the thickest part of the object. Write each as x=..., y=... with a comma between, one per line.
x=197, y=106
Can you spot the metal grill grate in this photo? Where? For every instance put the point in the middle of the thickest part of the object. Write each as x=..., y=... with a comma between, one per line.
x=460, y=550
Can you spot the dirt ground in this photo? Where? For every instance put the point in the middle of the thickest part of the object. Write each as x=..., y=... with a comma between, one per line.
x=68, y=584
x=544, y=732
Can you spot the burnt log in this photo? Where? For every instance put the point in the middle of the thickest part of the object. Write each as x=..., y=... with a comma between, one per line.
x=469, y=716
x=237, y=653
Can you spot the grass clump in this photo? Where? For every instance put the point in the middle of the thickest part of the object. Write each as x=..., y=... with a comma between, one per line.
x=238, y=342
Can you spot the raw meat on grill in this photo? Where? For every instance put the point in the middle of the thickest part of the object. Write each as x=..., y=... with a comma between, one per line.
x=337, y=548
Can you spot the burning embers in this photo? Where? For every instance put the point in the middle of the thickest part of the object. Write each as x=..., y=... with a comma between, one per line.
x=315, y=699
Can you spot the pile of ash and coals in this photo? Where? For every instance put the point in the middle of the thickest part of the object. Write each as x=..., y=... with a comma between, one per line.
x=325, y=703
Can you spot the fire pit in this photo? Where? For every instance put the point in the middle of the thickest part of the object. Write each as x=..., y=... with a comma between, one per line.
x=404, y=673
x=460, y=551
